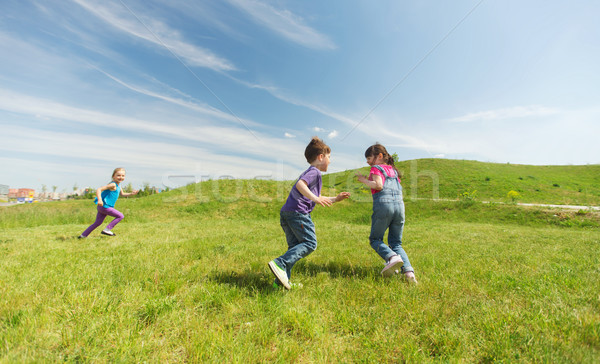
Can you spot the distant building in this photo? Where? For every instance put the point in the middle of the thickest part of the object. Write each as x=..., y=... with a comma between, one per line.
x=21, y=194
x=4, y=192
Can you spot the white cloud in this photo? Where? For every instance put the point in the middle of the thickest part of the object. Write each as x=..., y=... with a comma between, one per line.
x=332, y=134
x=506, y=113
x=288, y=135
x=318, y=129
x=189, y=104
x=285, y=23
x=236, y=139
x=156, y=32
x=133, y=152
x=169, y=163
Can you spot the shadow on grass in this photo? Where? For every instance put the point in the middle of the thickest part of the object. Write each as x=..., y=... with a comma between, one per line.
x=258, y=282
x=250, y=281
x=334, y=269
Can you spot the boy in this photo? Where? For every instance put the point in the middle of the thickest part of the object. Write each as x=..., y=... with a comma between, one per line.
x=295, y=217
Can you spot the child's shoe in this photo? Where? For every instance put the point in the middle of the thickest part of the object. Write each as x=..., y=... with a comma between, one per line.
x=292, y=285
x=81, y=237
x=410, y=277
x=279, y=274
x=108, y=232
x=392, y=265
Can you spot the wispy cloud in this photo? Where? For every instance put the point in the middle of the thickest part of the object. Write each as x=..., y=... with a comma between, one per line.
x=285, y=24
x=288, y=135
x=135, y=152
x=332, y=134
x=374, y=127
x=506, y=113
x=155, y=32
x=188, y=103
x=234, y=138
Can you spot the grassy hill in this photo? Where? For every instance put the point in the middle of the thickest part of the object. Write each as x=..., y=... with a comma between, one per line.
x=185, y=279
x=447, y=179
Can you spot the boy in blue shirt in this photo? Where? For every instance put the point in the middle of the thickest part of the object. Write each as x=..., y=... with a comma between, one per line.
x=295, y=217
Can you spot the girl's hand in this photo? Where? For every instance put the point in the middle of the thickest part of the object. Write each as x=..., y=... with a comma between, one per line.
x=100, y=203
x=362, y=178
x=135, y=192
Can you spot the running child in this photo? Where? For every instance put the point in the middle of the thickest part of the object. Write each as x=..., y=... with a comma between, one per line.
x=388, y=211
x=106, y=197
x=295, y=216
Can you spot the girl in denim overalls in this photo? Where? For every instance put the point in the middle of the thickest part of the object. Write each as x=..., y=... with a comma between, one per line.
x=388, y=212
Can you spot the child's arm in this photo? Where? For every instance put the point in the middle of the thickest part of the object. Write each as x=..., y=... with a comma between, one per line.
x=125, y=194
x=341, y=196
x=111, y=186
x=302, y=186
x=375, y=183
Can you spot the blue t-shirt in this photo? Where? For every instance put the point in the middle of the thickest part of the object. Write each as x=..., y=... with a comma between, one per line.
x=109, y=198
x=297, y=201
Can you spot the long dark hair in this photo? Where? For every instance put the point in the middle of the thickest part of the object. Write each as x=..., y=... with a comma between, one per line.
x=375, y=149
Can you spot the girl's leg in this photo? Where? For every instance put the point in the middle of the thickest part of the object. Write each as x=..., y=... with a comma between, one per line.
x=100, y=216
x=395, y=238
x=380, y=221
x=114, y=213
x=301, y=238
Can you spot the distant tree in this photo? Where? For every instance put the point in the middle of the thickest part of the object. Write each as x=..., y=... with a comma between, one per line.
x=146, y=190
x=54, y=189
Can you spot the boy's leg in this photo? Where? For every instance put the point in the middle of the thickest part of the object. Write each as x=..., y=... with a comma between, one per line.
x=395, y=238
x=291, y=240
x=301, y=238
x=100, y=216
x=114, y=213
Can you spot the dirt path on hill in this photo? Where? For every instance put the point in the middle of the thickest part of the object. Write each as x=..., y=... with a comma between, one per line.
x=566, y=207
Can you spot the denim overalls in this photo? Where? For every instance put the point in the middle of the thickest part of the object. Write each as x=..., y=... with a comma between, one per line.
x=388, y=212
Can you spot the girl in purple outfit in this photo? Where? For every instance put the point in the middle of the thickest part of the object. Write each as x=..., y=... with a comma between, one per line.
x=106, y=197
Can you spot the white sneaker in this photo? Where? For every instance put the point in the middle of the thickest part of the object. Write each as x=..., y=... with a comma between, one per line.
x=108, y=232
x=410, y=277
x=392, y=265
x=292, y=285
x=279, y=274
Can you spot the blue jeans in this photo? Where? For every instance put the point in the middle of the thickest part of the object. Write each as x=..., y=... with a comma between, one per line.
x=388, y=213
x=301, y=238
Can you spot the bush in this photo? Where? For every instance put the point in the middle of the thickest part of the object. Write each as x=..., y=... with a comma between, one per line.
x=513, y=196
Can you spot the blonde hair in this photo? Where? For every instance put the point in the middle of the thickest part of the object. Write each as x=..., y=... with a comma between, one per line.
x=117, y=170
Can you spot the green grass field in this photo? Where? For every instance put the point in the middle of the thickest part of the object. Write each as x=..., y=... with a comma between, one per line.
x=186, y=280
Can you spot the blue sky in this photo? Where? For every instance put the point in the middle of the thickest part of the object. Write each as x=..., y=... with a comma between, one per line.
x=178, y=91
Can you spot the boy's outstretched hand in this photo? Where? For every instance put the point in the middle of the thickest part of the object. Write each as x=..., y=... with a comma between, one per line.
x=342, y=196
x=328, y=201
x=324, y=201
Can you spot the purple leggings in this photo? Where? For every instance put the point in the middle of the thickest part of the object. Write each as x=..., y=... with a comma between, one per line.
x=102, y=213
